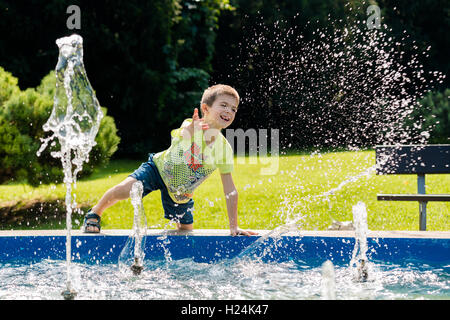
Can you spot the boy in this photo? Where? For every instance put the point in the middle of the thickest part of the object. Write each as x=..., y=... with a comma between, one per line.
x=197, y=149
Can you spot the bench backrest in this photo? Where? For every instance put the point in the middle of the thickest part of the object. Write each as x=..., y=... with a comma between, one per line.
x=413, y=159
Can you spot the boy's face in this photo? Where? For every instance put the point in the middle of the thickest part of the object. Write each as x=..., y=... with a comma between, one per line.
x=222, y=112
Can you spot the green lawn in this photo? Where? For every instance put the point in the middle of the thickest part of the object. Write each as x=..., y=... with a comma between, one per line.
x=267, y=201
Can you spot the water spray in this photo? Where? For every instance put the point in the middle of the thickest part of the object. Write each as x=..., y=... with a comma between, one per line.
x=139, y=226
x=133, y=251
x=359, y=257
x=74, y=121
x=328, y=281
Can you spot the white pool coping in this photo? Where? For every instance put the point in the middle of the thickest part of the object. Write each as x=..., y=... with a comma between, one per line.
x=226, y=232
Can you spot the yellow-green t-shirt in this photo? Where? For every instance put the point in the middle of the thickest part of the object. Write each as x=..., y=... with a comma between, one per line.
x=188, y=162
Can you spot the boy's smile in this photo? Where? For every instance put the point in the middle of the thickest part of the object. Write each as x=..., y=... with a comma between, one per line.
x=222, y=112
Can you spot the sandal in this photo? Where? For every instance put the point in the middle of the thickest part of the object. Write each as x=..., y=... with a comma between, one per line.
x=91, y=220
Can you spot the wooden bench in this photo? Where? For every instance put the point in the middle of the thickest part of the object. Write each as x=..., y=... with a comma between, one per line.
x=414, y=159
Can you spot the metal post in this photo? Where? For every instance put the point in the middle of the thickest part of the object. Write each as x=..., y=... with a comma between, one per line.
x=422, y=204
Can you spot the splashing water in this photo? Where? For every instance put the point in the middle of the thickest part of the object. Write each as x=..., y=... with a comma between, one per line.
x=341, y=85
x=74, y=121
x=359, y=261
x=133, y=252
x=247, y=280
x=333, y=86
x=76, y=113
x=292, y=222
x=263, y=246
x=362, y=80
x=328, y=281
x=165, y=241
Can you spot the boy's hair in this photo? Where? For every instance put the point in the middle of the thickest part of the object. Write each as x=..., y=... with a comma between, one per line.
x=210, y=94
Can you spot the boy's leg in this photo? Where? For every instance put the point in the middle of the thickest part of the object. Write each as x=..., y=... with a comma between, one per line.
x=116, y=193
x=182, y=214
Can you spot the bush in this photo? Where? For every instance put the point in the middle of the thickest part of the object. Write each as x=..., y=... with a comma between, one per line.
x=22, y=116
x=8, y=86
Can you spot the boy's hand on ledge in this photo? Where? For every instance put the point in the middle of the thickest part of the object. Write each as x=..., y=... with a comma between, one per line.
x=239, y=232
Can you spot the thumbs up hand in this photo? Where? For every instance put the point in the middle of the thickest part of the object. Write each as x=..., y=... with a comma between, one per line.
x=196, y=125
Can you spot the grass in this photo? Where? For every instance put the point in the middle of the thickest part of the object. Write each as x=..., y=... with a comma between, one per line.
x=265, y=201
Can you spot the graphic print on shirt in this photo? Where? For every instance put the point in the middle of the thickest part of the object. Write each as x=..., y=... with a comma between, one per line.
x=194, y=159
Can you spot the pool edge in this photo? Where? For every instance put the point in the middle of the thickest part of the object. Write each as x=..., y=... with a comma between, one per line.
x=225, y=232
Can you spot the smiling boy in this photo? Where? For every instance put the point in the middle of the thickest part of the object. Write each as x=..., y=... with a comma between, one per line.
x=197, y=149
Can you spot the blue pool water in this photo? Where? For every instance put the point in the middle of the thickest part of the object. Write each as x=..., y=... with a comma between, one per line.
x=223, y=267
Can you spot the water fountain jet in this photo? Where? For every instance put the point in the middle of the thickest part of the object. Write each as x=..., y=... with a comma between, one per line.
x=328, y=281
x=359, y=258
x=74, y=121
x=134, y=248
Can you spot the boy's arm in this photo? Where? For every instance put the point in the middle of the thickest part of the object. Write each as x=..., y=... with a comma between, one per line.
x=231, y=197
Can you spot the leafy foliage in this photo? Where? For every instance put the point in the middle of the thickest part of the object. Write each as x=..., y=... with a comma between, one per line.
x=8, y=85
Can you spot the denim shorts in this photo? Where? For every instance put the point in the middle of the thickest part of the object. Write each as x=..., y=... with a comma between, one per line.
x=149, y=175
